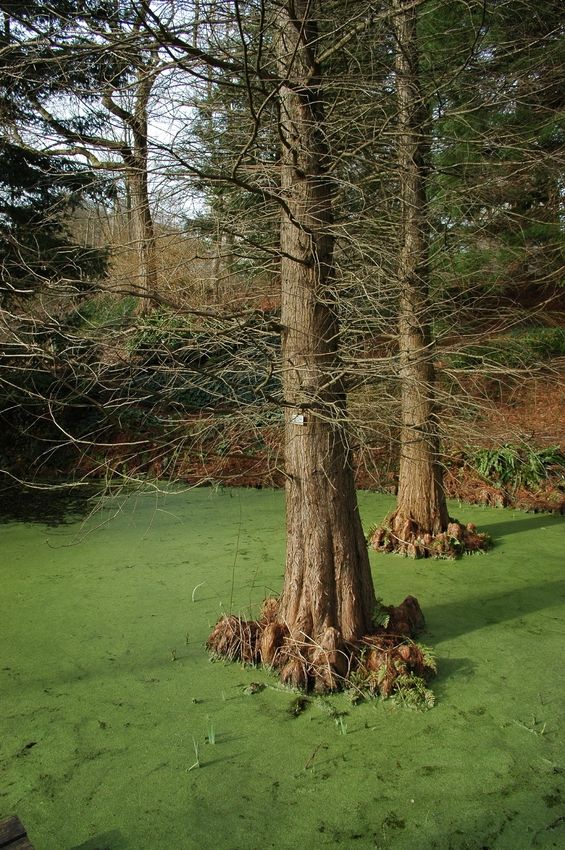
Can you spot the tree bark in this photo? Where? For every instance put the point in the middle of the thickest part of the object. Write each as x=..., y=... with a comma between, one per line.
x=136, y=160
x=143, y=231
x=421, y=497
x=322, y=633
x=328, y=593
x=143, y=227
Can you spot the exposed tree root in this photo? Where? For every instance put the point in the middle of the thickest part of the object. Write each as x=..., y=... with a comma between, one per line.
x=403, y=535
x=382, y=662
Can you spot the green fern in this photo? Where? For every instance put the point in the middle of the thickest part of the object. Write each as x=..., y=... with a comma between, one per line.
x=411, y=692
x=513, y=466
x=381, y=674
x=381, y=617
x=428, y=657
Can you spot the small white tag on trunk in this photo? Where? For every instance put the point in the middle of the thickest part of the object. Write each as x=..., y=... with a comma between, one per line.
x=298, y=419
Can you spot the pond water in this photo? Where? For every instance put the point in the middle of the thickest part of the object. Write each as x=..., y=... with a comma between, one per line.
x=116, y=731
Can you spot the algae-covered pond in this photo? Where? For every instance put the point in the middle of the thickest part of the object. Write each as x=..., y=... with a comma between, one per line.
x=109, y=701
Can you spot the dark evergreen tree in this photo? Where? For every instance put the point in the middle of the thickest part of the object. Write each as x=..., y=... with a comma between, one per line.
x=37, y=249
x=499, y=151
x=78, y=78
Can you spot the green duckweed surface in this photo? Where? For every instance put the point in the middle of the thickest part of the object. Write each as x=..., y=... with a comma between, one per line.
x=109, y=701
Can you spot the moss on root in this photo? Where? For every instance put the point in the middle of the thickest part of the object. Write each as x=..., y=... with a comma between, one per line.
x=407, y=538
x=386, y=662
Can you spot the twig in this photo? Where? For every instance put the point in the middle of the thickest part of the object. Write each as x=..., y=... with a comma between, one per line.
x=314, y=754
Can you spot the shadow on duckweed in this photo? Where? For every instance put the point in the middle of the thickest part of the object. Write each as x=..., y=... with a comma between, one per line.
x=447, y=620
x=112, y=840
x=49, y=505
x=528, y=522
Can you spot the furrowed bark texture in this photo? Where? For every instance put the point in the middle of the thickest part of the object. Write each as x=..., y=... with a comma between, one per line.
x=328, y=584
x=143, y=232
x=136, y=159
x=421, y=496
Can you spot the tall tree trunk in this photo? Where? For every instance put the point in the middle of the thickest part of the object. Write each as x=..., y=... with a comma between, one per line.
x=420, y=524
x=143, y=231
x=136, y=158
x=421, y=498
x=328, y=593
x=321, y=634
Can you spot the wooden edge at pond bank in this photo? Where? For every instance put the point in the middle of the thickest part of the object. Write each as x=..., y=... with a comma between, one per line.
x=13, y=835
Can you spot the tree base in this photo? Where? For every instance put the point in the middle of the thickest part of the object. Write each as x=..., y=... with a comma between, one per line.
x=403, y=535
x=384, y=662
